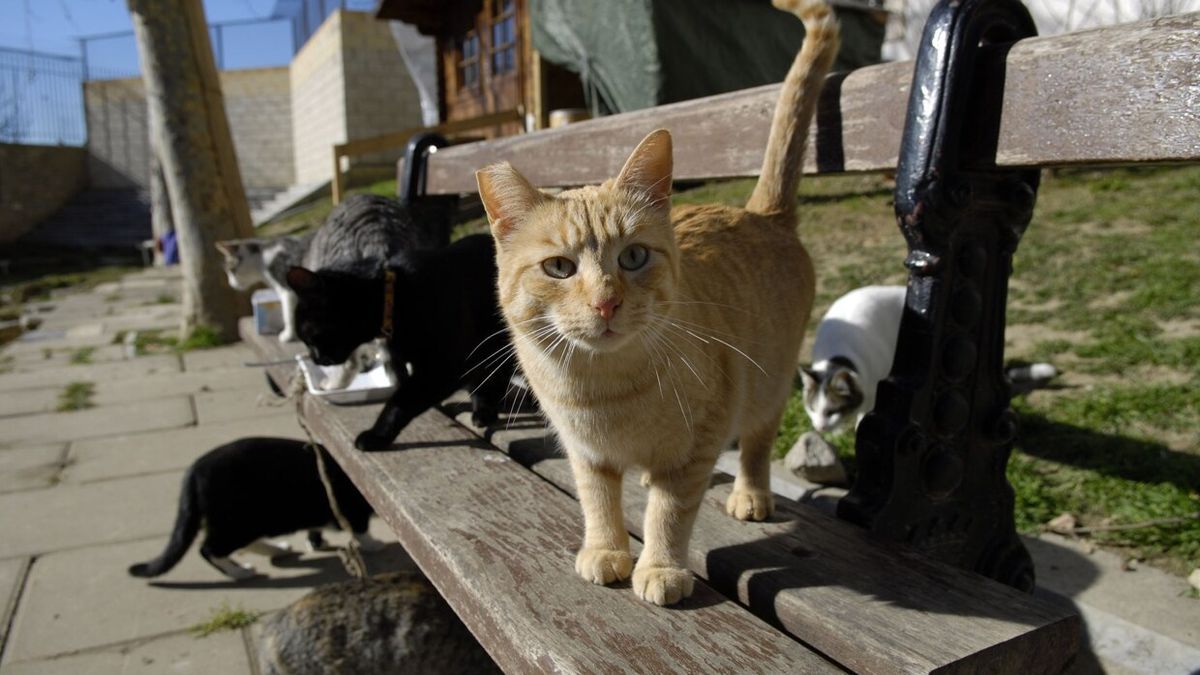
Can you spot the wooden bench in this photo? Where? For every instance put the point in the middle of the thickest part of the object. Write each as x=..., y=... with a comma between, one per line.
x=489, y=514
x=490, y=519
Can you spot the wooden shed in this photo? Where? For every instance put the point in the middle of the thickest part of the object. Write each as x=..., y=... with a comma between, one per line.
x=486, y=60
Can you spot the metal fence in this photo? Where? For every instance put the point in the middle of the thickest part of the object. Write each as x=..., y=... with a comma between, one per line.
x=236, y=45
x=41, y=95
x=41, y=102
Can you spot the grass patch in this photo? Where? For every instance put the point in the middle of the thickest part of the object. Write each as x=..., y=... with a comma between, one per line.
x=162, y=342
x=164, y=299
x=310, y=215
x=225, y=618
x=82, y=356
x=76, y=396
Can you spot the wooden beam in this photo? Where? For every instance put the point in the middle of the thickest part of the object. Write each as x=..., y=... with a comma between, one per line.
x=870, y=606
x=398, y=139
x=1117, y=95
x=499, y=544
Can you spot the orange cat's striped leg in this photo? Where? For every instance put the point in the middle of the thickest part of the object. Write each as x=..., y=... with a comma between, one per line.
x=604, y=557
x=661, y=575
x=751, y=498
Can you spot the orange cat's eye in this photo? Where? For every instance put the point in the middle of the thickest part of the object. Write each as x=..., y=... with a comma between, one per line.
x=558, y=267
x=634, y=257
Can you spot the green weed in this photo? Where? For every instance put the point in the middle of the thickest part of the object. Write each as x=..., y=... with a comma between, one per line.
x=76, y=396
x=83, y=355
x=225, y=618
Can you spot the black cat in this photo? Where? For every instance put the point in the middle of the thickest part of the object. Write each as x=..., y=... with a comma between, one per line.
x=445, y=324
x=254, y=488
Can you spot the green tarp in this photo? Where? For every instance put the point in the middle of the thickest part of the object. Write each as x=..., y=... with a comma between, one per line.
x=635, y=54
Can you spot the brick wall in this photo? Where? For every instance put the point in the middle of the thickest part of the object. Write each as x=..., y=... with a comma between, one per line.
x=35, y=181
x=257, y=104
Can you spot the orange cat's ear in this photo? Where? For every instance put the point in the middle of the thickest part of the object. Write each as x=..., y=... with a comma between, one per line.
x=648, y=169
x=507, y=197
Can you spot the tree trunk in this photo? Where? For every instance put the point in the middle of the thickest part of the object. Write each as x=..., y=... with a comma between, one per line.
x=160, y=203
x=194, y=146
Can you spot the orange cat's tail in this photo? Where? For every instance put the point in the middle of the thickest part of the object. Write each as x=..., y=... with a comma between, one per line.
x=784, y=158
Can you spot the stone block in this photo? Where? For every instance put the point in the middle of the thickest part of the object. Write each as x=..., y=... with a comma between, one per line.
x=166, y=451
x=71, y=598
x=12, y=577
x=183, y=654
x=31, y=468
x=71, y=516
x=28, y=401
x=150, y=415
x=96, y=372
x=814, y=459
x=231, y=356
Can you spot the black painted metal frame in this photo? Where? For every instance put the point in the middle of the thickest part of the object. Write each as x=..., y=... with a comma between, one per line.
x=933, y=453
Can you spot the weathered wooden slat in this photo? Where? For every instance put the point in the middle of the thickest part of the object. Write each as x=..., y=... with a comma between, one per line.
x=871, y=607
x=1115, y=95
x=498, y=542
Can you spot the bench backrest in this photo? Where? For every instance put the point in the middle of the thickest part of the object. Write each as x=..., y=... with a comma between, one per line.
x=1117, y=95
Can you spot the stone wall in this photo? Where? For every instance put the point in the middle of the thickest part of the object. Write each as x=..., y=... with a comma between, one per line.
x=380, y=95
x=318, y=103
x=257, y=103
x=35, y=181
x=348, y=83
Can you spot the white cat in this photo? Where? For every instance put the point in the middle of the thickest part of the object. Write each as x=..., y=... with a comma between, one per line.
x=854, y=348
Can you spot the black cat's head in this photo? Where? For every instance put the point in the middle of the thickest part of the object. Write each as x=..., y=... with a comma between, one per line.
x=336, y=312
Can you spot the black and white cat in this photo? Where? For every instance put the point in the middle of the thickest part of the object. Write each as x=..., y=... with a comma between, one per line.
x=444, y=321
x=253, y=488
x=250, y=262
x=853, y=352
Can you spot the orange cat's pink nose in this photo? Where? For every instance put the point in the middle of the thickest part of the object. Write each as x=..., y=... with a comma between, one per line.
x=607, y=308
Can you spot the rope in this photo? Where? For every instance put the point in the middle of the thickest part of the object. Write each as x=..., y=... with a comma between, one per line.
x=349, y=554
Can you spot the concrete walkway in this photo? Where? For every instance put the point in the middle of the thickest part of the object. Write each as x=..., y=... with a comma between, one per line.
x=84, y=494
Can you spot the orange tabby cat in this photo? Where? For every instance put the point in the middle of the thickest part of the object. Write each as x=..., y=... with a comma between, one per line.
x=653, y=337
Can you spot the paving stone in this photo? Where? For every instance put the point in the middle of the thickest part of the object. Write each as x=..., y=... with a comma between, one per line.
x=217, y=654
x=30, y=468
x=1146, y=597
x=125, y=390
x=29, y=401
x=97, y=372
x=71, y=599
x=68, y=516
x=150, y=415
x=161, y=451
x=226, y=406
x=12, y=577
x=220, y=358
x=26, y=361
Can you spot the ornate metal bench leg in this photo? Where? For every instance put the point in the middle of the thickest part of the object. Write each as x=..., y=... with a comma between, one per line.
x=932, y=456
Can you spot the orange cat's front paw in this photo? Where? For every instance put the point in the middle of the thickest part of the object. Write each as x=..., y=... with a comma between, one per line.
x=662, y=585
x=747, y=504
x=602, y=565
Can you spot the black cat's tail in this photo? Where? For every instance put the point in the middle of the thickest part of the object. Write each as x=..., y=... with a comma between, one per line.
x=187, y=524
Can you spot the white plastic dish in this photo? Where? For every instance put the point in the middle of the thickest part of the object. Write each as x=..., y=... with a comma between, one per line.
x=374, y=385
